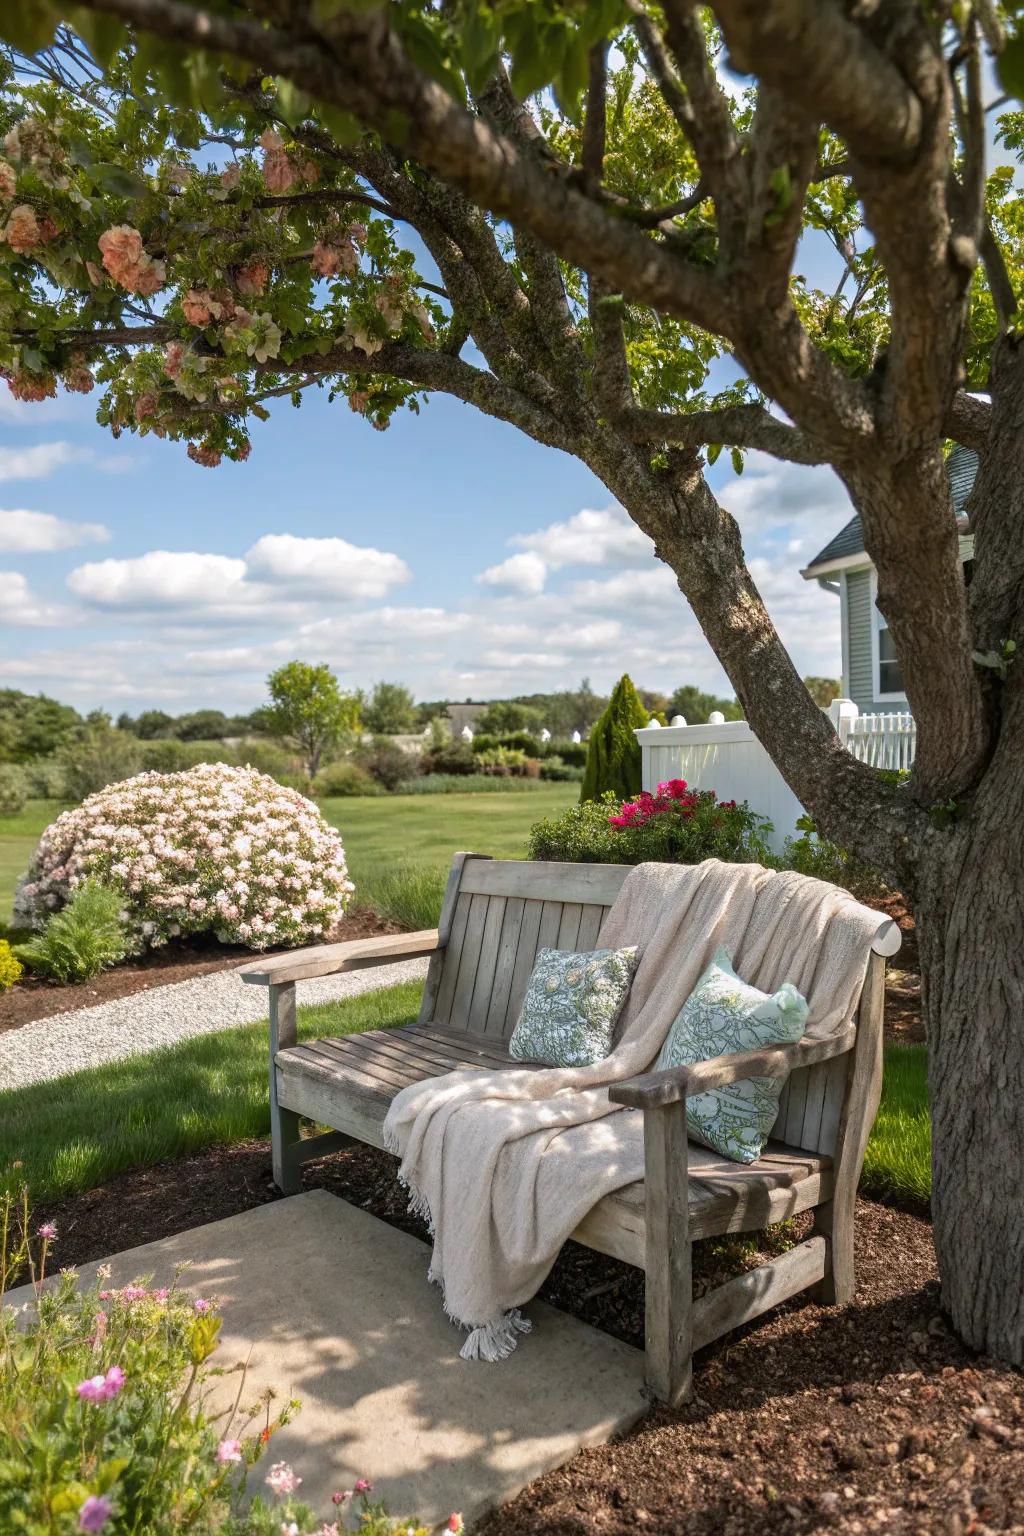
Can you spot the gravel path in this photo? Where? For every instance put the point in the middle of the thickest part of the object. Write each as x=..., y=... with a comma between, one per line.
x=129, y=1026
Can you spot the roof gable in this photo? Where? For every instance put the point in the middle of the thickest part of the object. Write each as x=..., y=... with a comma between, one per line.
x=961, y=467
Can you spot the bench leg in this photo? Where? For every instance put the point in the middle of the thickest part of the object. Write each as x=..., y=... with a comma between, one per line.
x=835, y=1223
x=284, y=1123
x=669, y=1284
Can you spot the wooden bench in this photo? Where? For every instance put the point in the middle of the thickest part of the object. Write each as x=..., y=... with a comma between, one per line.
x=496, y=915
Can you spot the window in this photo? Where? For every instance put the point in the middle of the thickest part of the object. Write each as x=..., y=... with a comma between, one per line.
x=888, y=677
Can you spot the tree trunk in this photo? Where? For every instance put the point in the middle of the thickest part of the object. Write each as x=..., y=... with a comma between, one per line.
x=970, y=909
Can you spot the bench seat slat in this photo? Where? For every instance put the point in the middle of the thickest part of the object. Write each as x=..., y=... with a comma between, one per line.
x=349, y=1082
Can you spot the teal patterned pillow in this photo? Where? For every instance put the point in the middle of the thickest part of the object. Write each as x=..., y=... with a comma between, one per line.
x=721, y=1015
x=571, y=1005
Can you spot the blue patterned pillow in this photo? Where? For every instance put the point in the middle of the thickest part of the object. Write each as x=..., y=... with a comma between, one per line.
x=722, y=1015
x=571, y=1005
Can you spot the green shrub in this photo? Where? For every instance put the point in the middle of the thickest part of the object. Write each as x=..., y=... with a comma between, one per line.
x=810, y=854
x=85, y=937
x=171, y=756
x=572, y=752
x=457, y=784
x=518, y=741
x=11, y=969
x=558, y=770
x=613, y=752
x=267, y=757
x=13, y=789
x=676, y=826
x=385, y=762
x=408, y=894
x=503, y=761
x=344, y=778
x=95, y=756
x=457, y=758
x=45, y=778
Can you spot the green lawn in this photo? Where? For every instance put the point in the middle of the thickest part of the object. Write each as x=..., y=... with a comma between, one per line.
x=378, y=831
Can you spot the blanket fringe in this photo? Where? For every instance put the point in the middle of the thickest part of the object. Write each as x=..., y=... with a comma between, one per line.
x=497, y=1339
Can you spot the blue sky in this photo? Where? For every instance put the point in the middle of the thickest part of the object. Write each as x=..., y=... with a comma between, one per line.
x=461, y=559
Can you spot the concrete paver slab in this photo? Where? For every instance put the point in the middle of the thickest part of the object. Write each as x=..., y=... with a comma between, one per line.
x=333, y=1306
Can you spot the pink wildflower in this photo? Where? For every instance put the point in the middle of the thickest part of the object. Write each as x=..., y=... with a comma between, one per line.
x=229, y=1451
x=455, y=1523
x=341, y=1498
x=362, y=1486
x=100, y=1389
x=281, y=1479
x=94, y=1513
x=22, y=232
x=48, y=1230
x=201, y=1305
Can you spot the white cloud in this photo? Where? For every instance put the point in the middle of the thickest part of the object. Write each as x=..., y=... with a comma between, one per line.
x=332, y=567
x=21, y=608
x=525, y=573
x=37, y=461
x=161, y=578
x=275, y=580
x=606, y=537
x=27, y=532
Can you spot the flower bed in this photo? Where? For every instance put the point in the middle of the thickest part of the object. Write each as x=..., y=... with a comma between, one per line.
x=212, y=849
x=677, y=825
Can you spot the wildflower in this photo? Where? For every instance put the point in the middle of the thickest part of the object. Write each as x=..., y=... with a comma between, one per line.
x=229, y=1451
x=362, y=1486
x=94, y=1513
x=341, y=1498
x=104, y=1272
x=289, y=1528
x=282, y=1479
x=455, y=1523
x=334, y=1529
x=48, y=1231
x=100, y=1389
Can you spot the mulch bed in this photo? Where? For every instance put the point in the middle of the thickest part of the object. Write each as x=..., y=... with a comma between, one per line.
x=34, y=999
x=817, y=1420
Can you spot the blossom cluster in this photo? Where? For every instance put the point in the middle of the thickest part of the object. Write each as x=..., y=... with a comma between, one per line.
x=673, y=797
x=211, y=849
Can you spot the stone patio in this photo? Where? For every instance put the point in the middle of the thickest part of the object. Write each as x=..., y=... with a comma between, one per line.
x=333, y=1307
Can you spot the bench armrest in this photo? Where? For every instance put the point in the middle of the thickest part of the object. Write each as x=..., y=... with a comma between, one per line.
x=654, y=1090
x=328, y=959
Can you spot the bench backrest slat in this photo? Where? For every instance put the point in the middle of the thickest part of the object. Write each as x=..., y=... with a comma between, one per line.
x=498, y=914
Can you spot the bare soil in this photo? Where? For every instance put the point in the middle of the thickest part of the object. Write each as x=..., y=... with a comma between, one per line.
x=34, y=998
x=817, y=1420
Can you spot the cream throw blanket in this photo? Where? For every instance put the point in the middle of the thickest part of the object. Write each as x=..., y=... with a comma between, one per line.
x=504, y=1164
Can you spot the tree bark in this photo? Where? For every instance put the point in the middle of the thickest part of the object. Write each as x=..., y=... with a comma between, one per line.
x=970, y=910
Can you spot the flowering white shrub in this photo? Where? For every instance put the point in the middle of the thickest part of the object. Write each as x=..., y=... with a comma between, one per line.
x=213, y=848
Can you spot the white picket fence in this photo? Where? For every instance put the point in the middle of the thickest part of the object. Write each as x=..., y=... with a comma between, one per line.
x=882, y=741
x=726, y=756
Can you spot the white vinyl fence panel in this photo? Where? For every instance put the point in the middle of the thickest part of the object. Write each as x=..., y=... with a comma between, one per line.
x=728, y=758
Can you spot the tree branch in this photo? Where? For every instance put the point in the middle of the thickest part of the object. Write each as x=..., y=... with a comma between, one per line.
x=734, y=426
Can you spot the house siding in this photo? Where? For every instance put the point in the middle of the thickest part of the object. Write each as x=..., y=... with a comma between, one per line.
x=860, y=621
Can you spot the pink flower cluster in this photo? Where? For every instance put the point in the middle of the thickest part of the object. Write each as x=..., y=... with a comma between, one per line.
x=673, y=797
x=22, y=232
x=127, y=261
x=212, y=849
x=283, y=170
x=25, y=385
x=336, y=250
x=100, y=1389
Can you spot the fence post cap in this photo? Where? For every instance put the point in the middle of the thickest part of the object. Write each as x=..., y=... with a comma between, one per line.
x=678, y=720
x=716, y=717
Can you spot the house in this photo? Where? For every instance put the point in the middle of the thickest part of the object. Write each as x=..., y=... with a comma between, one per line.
x=871, y=672
x=466, y=714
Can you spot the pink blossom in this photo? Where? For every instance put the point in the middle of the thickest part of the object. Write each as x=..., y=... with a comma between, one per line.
x=279, y=174
x=77, y=375
x=341, y=1498
x=100, y=1389
x=455, y=1523
x=146, y=406
x=281, y=1479
x=202, y=453
x=229, y=1451
x=230, y=178
x=198, y=306
x=94, y=1513
x=32, y=386
x=252, y=278
x=174, y=357
x=363, y=1486
x=8, y=181
x=127, y=261
x=22, y=231
x=47, y=1230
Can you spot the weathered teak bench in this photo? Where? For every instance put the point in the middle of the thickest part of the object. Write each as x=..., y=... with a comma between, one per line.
x=496, y=915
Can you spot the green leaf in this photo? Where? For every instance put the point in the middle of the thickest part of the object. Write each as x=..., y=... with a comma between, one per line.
x=737, y=461
x=116, y=181
x=713, y=450
x=1011, y=66
x=30, y=25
